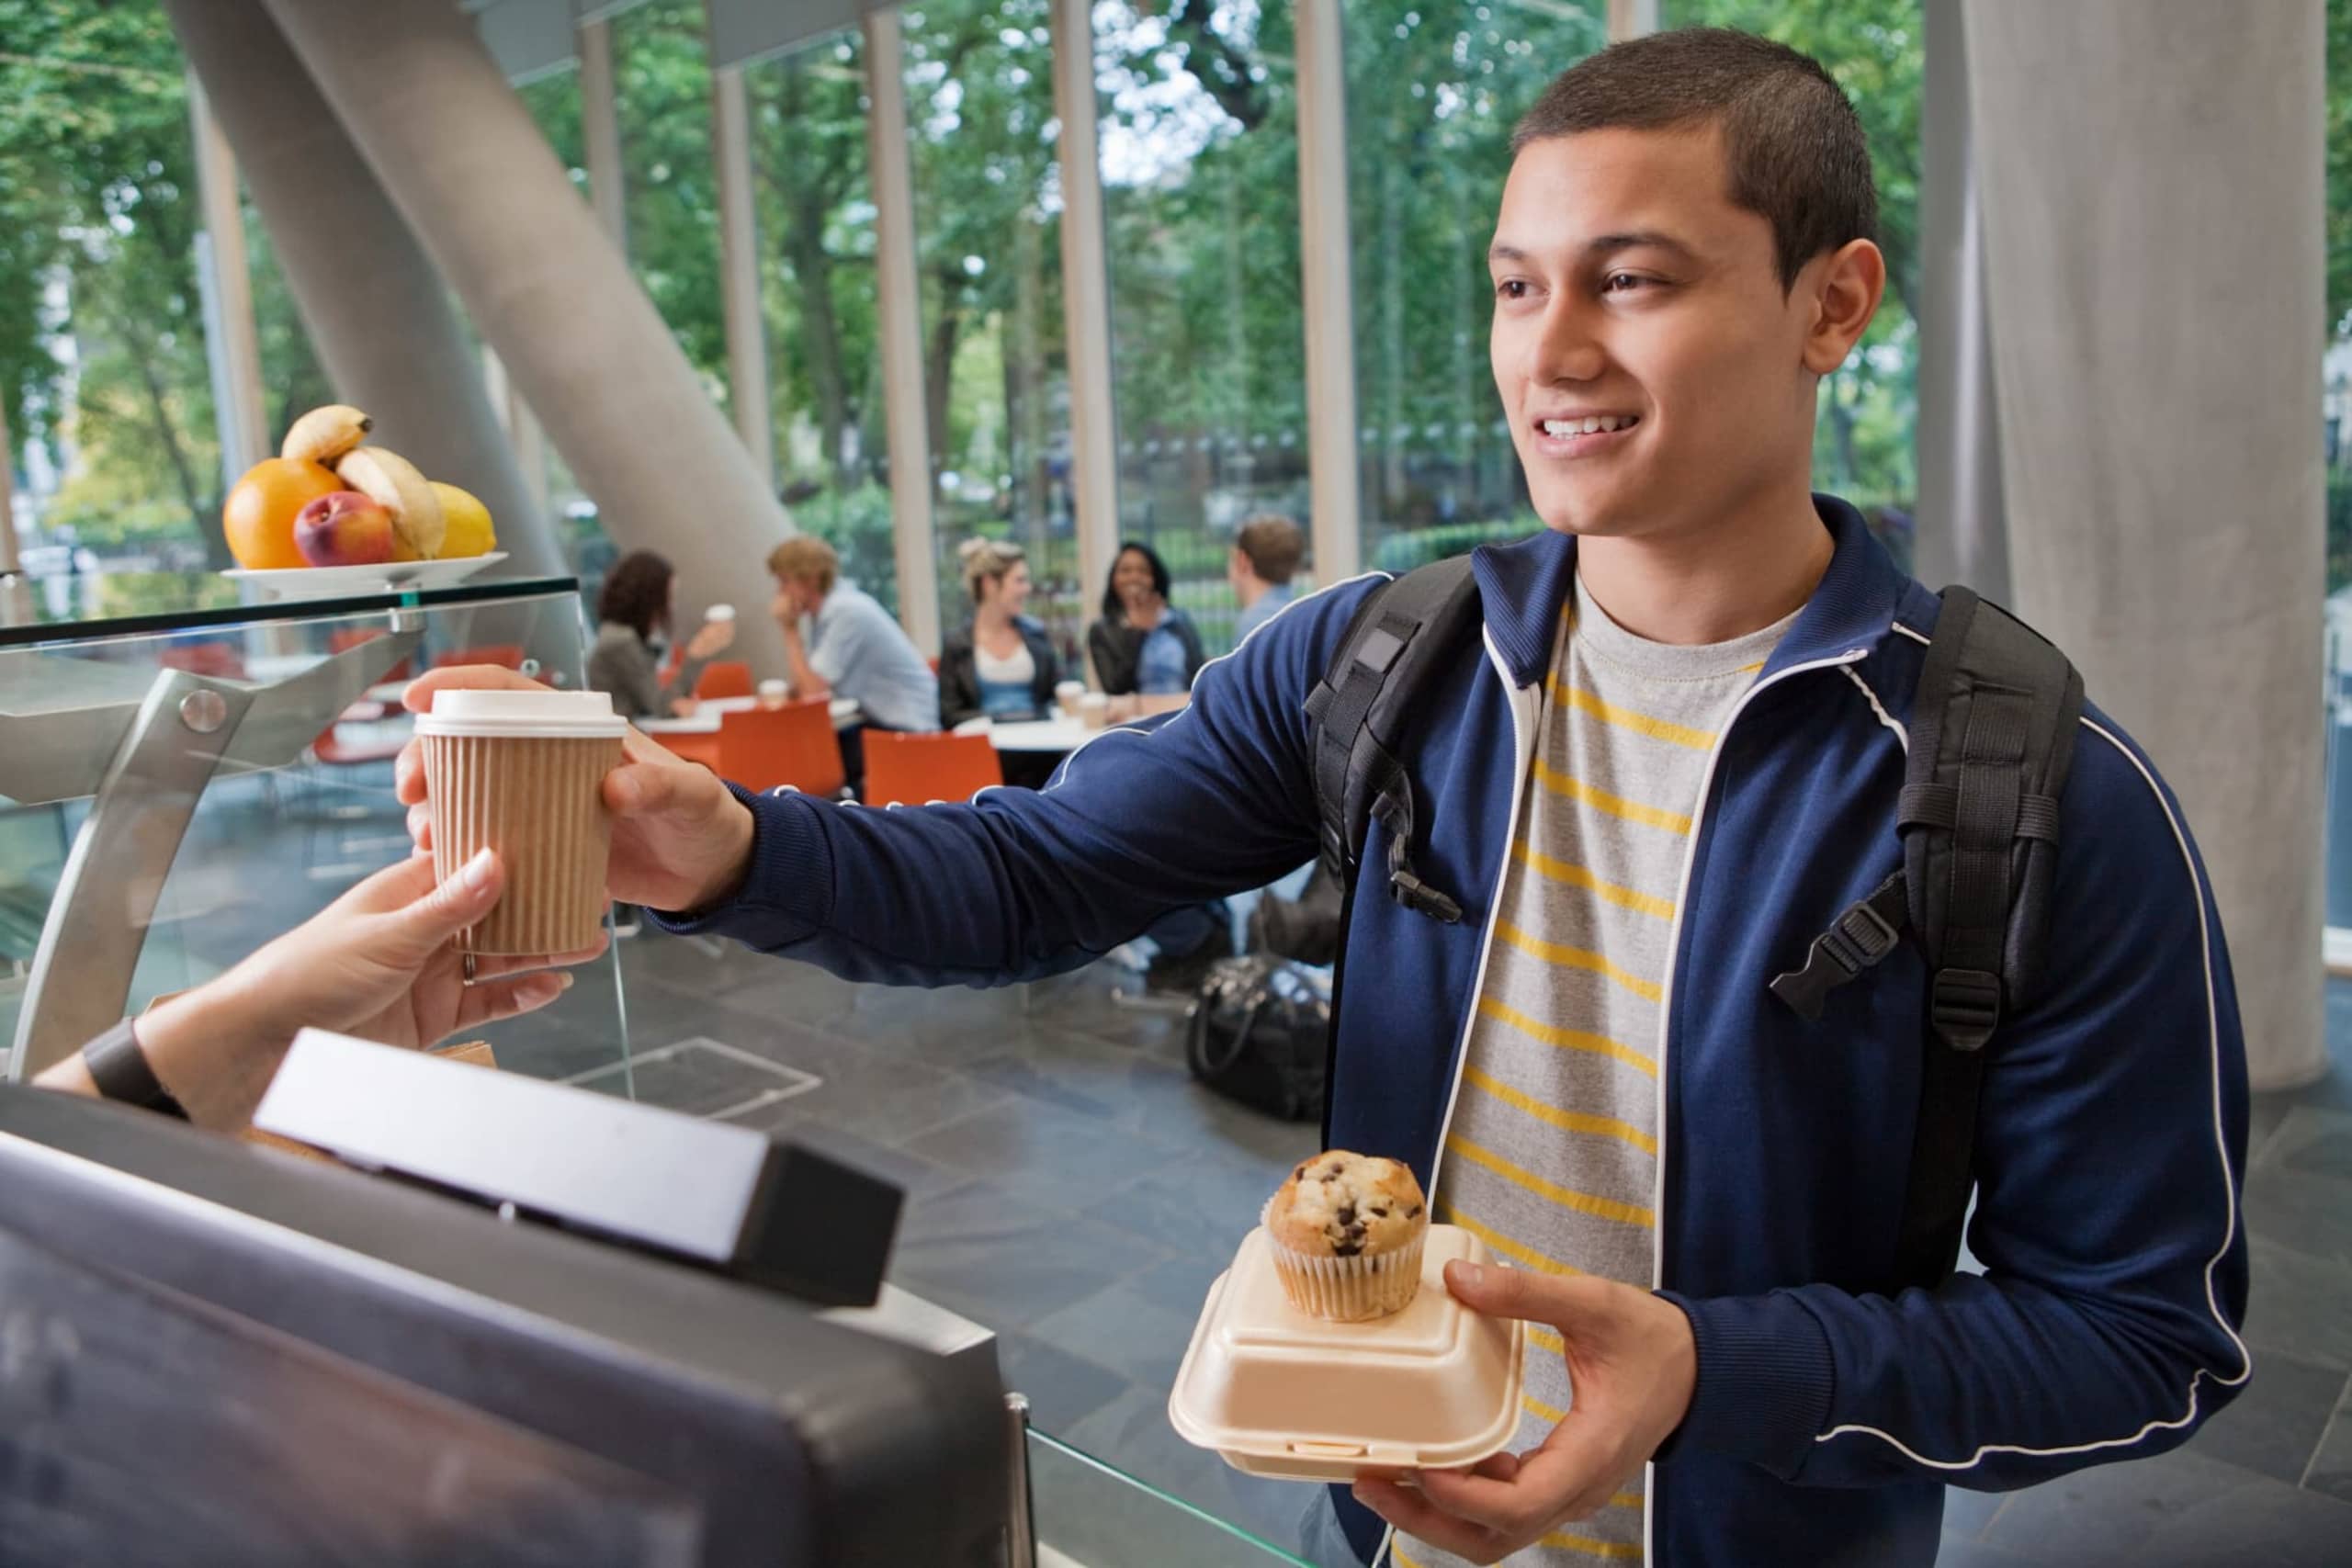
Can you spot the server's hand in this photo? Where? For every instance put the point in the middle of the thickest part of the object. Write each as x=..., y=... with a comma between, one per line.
x=679, y=839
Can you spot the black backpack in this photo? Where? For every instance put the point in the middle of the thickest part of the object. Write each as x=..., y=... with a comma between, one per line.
x=1992, y=736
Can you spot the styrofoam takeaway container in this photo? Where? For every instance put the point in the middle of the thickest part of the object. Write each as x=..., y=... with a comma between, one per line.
x=1280, y=1394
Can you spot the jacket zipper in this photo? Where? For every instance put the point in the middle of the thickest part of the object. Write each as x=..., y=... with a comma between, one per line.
x=1665, y=1013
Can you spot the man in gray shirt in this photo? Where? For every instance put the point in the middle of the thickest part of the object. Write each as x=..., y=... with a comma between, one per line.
x=854, y=648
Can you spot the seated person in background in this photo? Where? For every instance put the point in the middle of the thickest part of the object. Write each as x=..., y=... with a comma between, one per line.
x=853, y=648
x=1001, y=662
x=379, y=963
x=1143, y=645
x=1266, y=553
x=639, y=596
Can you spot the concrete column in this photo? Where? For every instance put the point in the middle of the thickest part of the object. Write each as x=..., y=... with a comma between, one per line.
x=600, y=132
x=375, y=308
x=2151, y=172
x=1326, y=294
x=899, y=311
x=1086, y=299
x=231, y=343
x=548, y=289
x=521, y=425
x=1962, y=532
x=747, y=338
x=1631, y=19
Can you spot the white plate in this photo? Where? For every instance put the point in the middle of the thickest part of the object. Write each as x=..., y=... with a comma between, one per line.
x=331, y=581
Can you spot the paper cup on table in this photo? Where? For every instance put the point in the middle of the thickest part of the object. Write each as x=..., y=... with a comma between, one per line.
x=1067, y=697
x=1094, y=710
x=522, y=773
x=772, y=693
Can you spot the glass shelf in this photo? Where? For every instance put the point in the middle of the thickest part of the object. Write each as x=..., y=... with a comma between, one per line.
x=184, y=776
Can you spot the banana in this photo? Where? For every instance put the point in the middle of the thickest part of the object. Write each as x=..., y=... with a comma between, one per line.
x=392, y=481
x=324, y=435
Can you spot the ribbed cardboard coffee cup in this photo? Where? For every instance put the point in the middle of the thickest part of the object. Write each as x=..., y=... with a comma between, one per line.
x=522, y=773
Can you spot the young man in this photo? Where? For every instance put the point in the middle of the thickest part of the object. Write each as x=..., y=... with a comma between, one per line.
x=1671, y=759
x=1266, y=553
x=854, y=648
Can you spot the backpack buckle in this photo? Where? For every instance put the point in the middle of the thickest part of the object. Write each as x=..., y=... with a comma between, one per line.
x=1965, y=1007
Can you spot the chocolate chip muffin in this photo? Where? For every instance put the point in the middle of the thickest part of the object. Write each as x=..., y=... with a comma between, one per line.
x=1347, y=1230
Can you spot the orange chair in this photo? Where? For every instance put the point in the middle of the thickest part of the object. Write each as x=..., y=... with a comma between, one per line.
x=764, y=748
x=914, y=769
x=726, y=678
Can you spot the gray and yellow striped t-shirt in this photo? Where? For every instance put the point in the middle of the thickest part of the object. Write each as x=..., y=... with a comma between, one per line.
x=1552, y=1154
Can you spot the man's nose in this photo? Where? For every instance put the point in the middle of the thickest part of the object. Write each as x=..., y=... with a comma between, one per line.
x=1566, y=347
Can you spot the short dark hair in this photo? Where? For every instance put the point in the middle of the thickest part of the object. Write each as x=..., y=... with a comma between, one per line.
x=1111, y=606
x=636, y=593
x=1797, y=155
x=1274, y=546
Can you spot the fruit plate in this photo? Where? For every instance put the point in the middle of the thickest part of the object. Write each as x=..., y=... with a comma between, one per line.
x=332, y=581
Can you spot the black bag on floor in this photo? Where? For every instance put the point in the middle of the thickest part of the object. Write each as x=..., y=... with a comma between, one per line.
x=1257, y=1036
x=1306, y=927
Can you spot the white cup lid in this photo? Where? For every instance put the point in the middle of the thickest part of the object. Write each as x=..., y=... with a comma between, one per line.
x=556, y=715
x=1073, y=687
x=719, y=613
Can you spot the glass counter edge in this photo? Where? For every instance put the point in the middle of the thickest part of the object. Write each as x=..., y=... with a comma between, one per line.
x=282, y=612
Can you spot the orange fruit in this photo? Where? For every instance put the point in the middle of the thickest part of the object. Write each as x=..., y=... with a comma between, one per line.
x=259, y=516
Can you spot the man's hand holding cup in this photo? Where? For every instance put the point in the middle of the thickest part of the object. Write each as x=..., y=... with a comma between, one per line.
x=680, y=840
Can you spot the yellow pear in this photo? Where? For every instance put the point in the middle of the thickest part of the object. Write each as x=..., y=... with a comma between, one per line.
x=466, y=526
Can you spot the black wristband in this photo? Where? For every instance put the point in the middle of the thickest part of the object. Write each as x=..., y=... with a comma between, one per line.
x=117, y=1066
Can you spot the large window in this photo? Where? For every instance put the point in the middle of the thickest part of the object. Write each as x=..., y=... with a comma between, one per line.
x=102, y=363
x=1864, y=441
x=818, y=293
x=1434, y=89
x=1199, y=154
x=987, y=224
x=668, y=176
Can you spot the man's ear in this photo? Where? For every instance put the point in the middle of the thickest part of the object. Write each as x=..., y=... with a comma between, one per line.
x=1843, y=288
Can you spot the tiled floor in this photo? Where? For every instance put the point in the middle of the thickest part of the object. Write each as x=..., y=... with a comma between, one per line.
x=1072, y=1190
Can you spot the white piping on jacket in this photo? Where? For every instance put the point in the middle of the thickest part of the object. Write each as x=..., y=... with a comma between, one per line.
x=1884, y=717
x=2229, y=1193
x=1524, y=703
x=1665, y=1013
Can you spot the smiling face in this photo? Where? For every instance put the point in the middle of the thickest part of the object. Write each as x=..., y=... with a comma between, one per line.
x=1658, y=379
x=1131, y=579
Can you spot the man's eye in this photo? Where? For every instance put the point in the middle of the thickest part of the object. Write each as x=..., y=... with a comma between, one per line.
x=1621, y=282
x=1511, y=289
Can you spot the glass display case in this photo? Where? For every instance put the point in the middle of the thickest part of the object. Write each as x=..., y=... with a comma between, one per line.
x=185, y=772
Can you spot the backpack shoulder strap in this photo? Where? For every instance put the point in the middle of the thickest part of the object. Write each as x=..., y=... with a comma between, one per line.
x=1993, y=732
x=1359, y=713
x=1991, y=741
x=1403, y=635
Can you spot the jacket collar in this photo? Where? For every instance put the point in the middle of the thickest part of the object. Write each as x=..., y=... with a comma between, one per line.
x=1522, y=585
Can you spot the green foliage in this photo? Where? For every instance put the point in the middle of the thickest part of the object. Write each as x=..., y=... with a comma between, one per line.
x=98, y=206
x=2339, y=167
x=1402, y=552
x=662, y=99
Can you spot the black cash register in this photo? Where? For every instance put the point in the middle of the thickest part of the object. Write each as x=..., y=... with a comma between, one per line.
x=211, y=1353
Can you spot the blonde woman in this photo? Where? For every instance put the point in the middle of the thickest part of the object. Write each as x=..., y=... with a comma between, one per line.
x=1001, y=662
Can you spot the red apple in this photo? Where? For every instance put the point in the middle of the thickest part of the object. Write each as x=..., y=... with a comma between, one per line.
x=345, y=528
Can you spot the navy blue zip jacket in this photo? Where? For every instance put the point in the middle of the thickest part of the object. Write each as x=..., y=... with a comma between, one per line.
x=1828, y=1414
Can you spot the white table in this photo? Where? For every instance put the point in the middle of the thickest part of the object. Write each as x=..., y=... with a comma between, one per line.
x=1034, y=734
x=705, y=719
